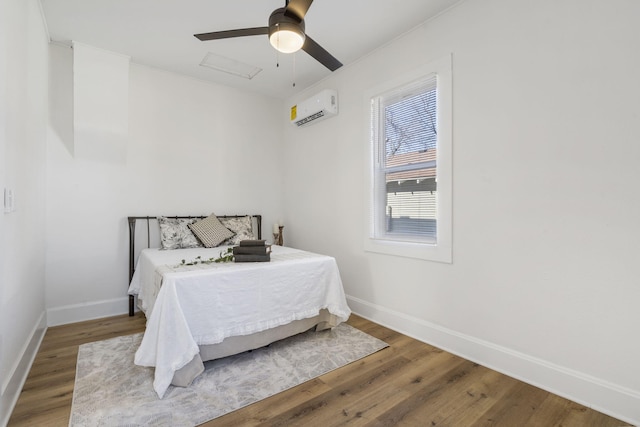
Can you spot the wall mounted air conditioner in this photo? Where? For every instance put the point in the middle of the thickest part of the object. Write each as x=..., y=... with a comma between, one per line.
x=318, y=107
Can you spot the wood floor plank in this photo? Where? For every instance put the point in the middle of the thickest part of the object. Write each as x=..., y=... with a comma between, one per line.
x=427, y=394
x=476, y=400
x=556, y=411
x=409, y=383
x=515, y=408
x=325, y=407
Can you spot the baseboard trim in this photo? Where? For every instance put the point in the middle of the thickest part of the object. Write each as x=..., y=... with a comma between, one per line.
x=608, y=398
x=12, y=385
x=87, y=311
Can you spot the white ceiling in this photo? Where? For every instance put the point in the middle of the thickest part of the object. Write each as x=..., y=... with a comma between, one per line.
x=159, y=33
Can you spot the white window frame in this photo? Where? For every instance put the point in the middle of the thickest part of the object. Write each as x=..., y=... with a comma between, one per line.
x=439, y=249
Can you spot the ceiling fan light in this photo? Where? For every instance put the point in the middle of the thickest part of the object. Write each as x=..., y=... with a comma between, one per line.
x=286, y=34
x=287, y=40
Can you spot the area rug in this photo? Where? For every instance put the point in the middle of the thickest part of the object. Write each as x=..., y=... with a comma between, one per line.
x=111, y=391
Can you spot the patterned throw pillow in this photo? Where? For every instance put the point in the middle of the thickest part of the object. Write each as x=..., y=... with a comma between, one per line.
x=210, y=231
x=242, y=227
x=175, y=233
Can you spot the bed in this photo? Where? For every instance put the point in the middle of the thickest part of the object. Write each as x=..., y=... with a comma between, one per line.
x=203, y=311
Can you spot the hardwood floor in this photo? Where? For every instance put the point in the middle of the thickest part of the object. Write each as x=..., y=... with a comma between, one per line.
x=408, y=384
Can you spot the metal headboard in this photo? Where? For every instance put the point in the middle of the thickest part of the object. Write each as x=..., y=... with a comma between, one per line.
x=132, y=240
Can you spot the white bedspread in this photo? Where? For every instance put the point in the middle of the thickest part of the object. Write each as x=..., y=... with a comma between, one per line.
x=205, y=304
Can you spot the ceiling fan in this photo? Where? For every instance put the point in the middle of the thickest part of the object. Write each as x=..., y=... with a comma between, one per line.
x=286, y=33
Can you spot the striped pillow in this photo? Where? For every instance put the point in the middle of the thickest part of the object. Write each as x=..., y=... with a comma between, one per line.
x=210, y=231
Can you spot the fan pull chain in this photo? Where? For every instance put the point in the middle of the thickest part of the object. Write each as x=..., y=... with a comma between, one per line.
x=294, y=70
x=277, y=48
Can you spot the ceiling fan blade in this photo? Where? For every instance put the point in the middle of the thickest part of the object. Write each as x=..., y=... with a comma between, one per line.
x=258, y=31
x=297, y=8
x=320, y=54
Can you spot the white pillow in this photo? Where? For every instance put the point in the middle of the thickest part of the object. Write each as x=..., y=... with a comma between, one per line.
x=241, y=226
x=175, y=233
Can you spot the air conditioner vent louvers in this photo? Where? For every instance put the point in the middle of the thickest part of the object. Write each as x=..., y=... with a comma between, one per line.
x=310, y=118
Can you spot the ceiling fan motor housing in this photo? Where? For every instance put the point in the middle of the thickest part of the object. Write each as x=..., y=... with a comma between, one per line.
x=278, y=21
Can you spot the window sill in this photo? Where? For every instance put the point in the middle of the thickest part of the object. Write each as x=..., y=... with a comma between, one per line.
x=424, y=251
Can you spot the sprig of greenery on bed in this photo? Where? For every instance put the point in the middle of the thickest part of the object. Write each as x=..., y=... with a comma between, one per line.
x=225, y=256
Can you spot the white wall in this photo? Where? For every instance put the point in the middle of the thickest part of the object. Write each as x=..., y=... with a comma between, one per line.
x=23, y=113
x=545, y=273
x=543, y=283
x=193, y=148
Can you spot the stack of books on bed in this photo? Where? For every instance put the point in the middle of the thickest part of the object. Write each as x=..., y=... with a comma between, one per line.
x=252, y=251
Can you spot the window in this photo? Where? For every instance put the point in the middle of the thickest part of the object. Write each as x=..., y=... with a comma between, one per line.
x=409, y=156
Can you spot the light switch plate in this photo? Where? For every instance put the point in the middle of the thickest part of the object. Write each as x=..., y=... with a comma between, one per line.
x=8, y=200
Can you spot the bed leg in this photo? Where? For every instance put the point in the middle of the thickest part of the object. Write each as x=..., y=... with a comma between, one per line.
x=131, y=305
